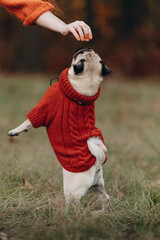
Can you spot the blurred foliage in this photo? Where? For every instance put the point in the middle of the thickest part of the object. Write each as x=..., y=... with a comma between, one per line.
x=125, y=35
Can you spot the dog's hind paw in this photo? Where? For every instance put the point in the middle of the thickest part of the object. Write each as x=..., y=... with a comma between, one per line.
x=98, y=213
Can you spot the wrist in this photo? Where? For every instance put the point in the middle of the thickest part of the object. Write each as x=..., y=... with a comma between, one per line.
x=63, y=28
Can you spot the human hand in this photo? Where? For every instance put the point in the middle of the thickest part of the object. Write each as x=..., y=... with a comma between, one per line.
x=79, y=29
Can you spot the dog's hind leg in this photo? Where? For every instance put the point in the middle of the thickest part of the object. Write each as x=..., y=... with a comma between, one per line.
x=24, y=127
x=102, y=195
x=98, y=149
x=75, y=185
x=98, y=188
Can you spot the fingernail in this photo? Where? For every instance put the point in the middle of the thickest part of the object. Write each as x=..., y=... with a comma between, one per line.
x=90, y=37
x=83, y=39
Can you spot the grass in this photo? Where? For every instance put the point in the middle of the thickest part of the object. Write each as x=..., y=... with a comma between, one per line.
x=128, y=114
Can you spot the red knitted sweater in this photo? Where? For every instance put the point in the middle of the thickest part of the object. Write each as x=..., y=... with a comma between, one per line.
x=68, y=123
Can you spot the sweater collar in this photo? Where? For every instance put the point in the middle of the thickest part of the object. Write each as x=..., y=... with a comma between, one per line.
x=71, y=93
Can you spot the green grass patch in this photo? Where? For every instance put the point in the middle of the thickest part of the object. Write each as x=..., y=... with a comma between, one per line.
x=128, y=114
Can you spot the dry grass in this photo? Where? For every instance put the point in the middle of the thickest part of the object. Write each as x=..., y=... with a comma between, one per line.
x=128, y=114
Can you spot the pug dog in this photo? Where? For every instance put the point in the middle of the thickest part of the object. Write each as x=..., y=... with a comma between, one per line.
x=67, y=111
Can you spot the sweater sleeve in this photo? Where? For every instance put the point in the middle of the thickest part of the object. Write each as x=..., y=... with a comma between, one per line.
x=43, y=113
x=26, y=11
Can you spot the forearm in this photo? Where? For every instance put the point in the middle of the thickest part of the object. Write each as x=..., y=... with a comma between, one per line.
x=50, y=21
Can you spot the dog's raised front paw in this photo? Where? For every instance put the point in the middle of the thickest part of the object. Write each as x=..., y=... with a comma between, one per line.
x=12, y=133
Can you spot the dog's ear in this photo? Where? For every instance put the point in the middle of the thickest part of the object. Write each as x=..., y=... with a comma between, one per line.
x=79, y=67
x=105, y=70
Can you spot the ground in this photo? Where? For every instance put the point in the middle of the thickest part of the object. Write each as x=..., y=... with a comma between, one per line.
x=31, y=194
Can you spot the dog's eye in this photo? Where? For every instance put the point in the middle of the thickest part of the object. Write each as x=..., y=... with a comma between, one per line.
x=79, y=67
x=105, y=70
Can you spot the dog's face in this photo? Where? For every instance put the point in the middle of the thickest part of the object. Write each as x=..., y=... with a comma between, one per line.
x=87, y=71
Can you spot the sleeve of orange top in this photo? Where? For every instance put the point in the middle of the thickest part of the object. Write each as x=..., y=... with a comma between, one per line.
x=26, y=11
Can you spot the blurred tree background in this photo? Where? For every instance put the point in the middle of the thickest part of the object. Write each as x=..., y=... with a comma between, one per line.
x=126, y=35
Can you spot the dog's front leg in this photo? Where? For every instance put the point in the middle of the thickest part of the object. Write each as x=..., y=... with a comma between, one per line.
x=97, y=149
x=24, y=127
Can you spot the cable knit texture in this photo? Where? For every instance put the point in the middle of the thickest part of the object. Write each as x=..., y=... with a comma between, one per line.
x=26, y=11
x=69, y=124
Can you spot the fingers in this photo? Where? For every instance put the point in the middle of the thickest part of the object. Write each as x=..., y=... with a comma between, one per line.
x=84, y=31
x=80, y=30
x=74, y=32
x=80, y=33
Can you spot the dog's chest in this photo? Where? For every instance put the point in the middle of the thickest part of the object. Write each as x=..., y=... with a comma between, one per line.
x=81, y=116
x=73, y=121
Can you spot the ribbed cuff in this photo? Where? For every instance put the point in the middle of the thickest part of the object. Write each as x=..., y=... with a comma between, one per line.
x=34, y=119
x=38, y=12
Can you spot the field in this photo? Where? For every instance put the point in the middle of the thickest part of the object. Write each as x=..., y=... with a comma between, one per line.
x=31, y=194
